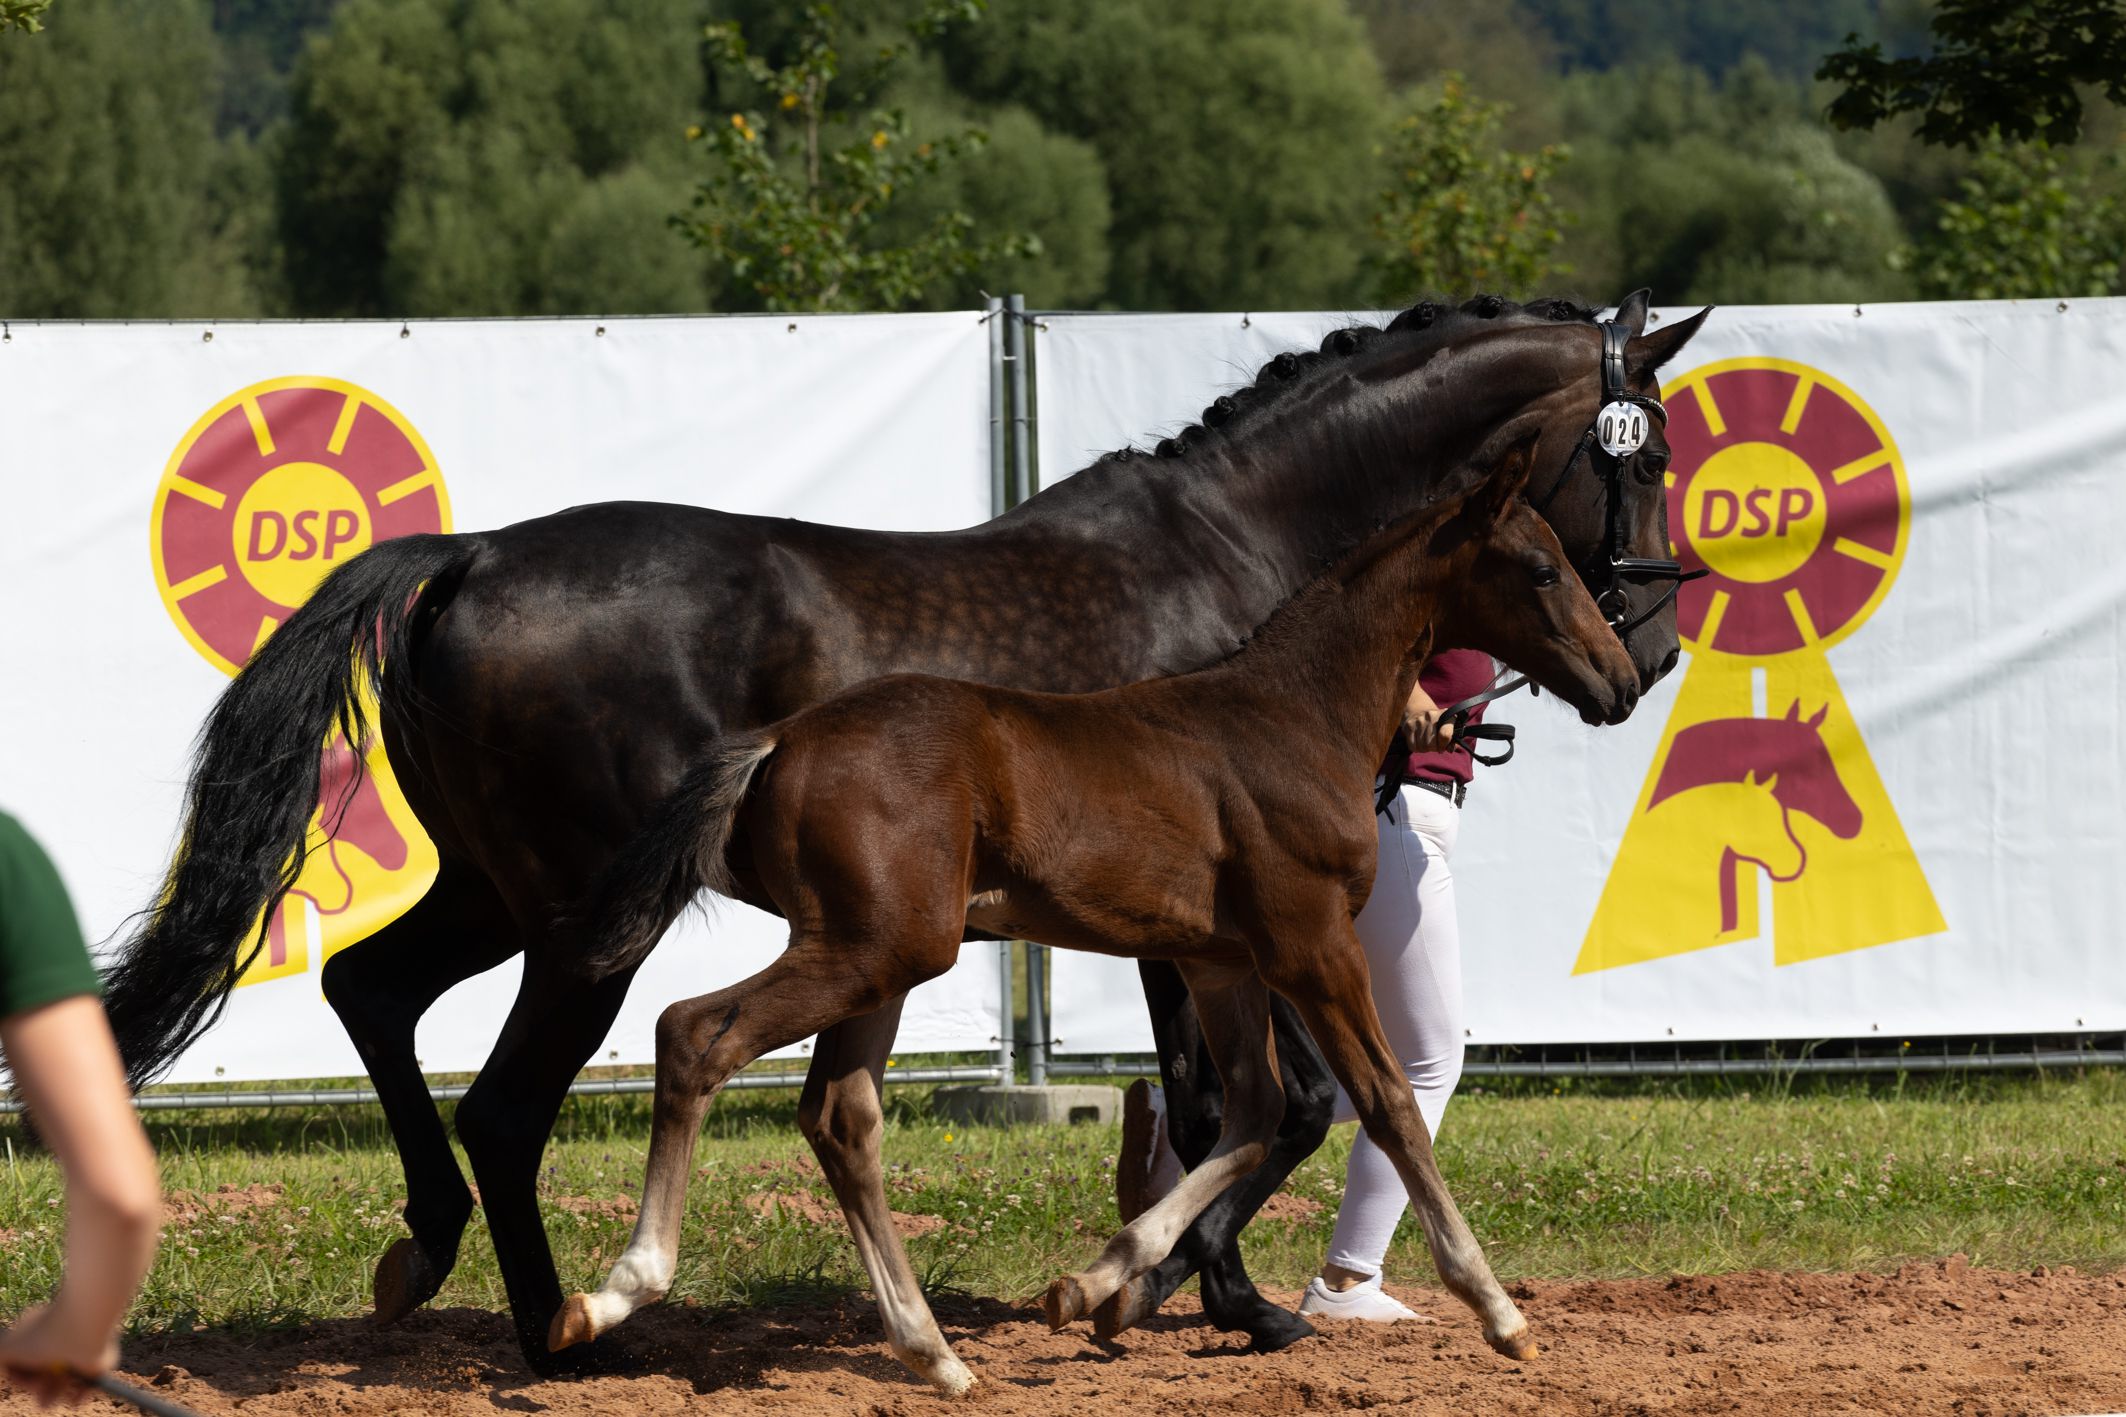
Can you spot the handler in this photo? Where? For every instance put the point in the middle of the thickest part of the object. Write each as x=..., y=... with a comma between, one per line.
x=58, y=1047
x=1414, y=954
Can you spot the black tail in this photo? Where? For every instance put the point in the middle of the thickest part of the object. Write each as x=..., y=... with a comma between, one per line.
x=678, y=854
x=254, y=784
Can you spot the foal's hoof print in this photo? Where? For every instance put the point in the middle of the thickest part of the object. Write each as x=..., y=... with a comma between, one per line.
x=572, y=1325
x=1064, y=1303
x=405, y=1280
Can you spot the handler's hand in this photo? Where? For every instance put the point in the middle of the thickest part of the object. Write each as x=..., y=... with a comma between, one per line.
x=1422, y=726
x=40, y=1356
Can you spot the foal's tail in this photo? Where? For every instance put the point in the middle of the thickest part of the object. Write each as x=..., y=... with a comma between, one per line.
x=678, y=854
x=254, y=783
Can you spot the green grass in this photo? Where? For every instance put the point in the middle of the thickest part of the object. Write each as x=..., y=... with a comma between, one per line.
x=1557, y=1179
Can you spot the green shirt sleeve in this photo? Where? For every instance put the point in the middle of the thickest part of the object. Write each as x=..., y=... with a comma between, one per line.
x=42, y=957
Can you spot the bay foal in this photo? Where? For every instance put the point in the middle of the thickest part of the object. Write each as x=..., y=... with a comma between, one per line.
x=1221, y=819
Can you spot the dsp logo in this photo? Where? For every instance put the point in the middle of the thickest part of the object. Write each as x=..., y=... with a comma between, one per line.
x=1787, y=488
x=272, y=489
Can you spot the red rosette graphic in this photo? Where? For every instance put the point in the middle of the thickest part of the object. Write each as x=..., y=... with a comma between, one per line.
x=1786, y=487
x=274, y=487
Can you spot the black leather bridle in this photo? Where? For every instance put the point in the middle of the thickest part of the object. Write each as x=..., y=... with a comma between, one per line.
x=1618, y=432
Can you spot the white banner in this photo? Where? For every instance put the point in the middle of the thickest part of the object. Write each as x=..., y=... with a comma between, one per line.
x=1881, y=795
x=126, y=571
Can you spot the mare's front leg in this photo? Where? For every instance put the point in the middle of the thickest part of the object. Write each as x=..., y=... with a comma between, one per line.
x=1324, y=973
x=1233, y=1009
x=841, y=1118
x=1194, y=1107
x=1211, y=1244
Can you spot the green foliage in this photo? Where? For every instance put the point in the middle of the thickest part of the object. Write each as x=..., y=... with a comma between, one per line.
x=1237, y=138
x=1462, y=214
x=2012, y=67
x=25, y=15
x=469, y=159
x=1786, y=35
x=795, y=223
x=2026, y=224
x=115, y=197
x=1025, y=178
x=1723, y=193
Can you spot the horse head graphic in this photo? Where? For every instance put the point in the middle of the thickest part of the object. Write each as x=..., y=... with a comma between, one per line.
x=1765, y=770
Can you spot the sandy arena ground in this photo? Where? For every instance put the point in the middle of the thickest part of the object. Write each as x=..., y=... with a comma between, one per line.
x=1939, y=1338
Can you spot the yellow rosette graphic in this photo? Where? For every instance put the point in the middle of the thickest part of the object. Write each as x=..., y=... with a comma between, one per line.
x=274, y=487
x=1789, y=491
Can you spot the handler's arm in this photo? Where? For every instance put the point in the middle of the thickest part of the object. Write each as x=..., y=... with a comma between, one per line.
x=66, y=1067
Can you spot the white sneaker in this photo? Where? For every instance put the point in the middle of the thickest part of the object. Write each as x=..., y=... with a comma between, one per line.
x=1367, y=1301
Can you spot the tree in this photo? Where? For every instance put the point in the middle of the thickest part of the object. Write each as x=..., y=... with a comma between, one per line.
x=796, y=222
x=1464, y=215
x=25, y=15
x=493, y=157
x=1238, y=138
x=2012, y=67
x=2026, y=225
x=116, y=199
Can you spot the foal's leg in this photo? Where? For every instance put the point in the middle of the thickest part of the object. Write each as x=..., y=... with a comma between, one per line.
x=1230, y=1299
x=1236, y=1026
x=701, y=1042
x=380, y=987
x=841, y=1118
x=1329, y=984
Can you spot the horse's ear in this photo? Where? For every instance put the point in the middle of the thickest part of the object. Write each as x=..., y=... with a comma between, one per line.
x=1815, y=720
x=1793, y=712
x=1631, y=311
x=1646, y=353
x=1508, y=480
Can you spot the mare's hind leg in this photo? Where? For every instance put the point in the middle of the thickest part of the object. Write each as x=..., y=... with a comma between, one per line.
x=1230, y=1299
x=1326, y=978
x=1234, y=1014
x=555, y=1025
x=380, y=987
x=842, y=1120
x=700, y=1043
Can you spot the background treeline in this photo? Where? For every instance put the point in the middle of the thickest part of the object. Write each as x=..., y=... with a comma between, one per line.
x=440, y=157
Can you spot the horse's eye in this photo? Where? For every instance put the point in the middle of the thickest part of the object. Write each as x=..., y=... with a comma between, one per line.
x=1546, y=575
x=1652, y=463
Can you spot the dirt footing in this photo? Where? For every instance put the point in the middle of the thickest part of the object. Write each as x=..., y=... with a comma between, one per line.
x=1935, y=1338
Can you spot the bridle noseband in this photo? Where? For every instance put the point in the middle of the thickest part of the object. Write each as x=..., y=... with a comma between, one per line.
x=1619, y=430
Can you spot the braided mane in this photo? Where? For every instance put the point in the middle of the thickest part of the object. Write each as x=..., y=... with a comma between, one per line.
x=1276, y=383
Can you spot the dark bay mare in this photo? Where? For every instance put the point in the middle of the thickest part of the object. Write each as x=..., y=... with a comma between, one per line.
x=541, y=687
x=1220, y=820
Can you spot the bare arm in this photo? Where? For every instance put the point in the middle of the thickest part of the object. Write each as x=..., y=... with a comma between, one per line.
x=67, y=1068
x=1421, y=724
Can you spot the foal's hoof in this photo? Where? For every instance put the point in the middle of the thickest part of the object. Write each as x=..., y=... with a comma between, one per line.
x=1130, y=1305
x=405, y=1280
x=1519, y=1345
x=572, y=1324
x=1064, y=1303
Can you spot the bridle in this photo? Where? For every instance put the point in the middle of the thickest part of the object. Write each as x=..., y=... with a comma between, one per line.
x=1619, y=430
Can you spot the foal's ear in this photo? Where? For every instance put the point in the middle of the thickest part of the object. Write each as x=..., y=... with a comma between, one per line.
x=1631, y=311
x=1646, y=353
x=1508, y=480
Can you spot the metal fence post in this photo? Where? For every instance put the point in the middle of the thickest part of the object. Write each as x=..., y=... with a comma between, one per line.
x=1036, y=1014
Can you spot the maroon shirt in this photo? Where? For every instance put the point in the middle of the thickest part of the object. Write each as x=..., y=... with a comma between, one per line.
x=1449, y=677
